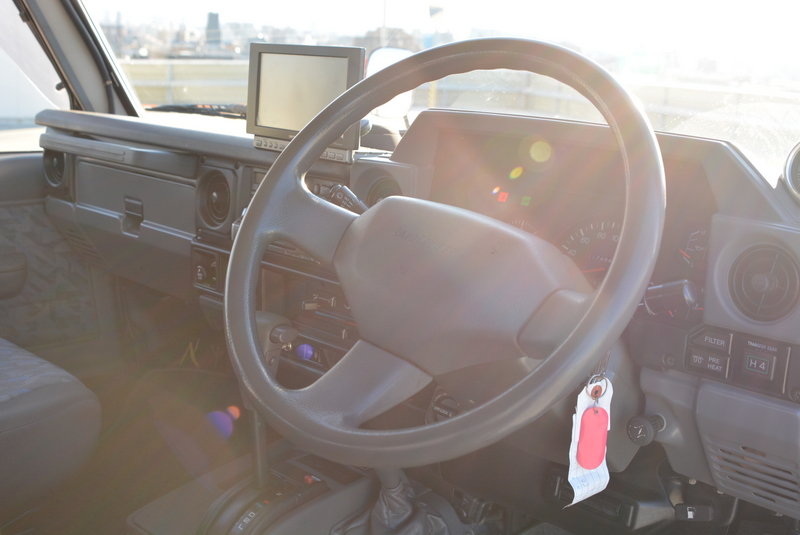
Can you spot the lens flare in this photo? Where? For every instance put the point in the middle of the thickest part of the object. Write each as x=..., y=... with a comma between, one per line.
x=496, y=190
x=305, y=351
x=222, y=422
x=234, y=411
x=541, y=151
x=516, y=173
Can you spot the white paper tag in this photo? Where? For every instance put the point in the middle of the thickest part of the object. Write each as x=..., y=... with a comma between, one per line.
x=585, y=482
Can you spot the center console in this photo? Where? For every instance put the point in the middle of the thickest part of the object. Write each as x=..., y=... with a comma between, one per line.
x=227, y=501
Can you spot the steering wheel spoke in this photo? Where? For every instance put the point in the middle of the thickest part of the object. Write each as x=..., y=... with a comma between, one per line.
x=366, y=382
x=284, y=209
x=553, y=322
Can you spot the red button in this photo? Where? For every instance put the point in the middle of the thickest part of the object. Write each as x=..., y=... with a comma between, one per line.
x=308, y=479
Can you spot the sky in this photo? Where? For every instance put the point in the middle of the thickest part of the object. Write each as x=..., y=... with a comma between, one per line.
x=722, y=29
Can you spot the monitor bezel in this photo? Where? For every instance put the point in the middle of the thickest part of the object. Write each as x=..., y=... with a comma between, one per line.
x=355, y=73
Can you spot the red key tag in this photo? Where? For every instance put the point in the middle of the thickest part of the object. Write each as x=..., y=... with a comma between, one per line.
x=588, y=473
x=592, y=438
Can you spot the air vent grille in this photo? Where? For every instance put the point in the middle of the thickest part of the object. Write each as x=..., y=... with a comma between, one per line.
x=215, y=194
x=755, y=476
x=55, y=166
x=382, y=188
x=764, y=283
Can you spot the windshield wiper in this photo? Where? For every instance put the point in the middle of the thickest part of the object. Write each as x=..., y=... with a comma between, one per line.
x=233, y=111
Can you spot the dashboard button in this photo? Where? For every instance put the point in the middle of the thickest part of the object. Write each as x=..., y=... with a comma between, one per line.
x=713, y=339
x=760, y=365
x=708, y=363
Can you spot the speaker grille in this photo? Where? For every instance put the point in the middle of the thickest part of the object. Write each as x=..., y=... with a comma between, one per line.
x=215, y=198
x=755, y=476
x=764, y=283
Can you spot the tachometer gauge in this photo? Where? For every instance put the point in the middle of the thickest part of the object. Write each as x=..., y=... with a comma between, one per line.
x=524, y=224
x=693, y=248
x=592, y=247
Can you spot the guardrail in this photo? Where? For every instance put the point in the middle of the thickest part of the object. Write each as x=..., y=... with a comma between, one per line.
x=184, y=81
x=178, y=81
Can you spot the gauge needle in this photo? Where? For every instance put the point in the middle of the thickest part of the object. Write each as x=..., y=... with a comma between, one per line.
x=594, y=270
x=684, y=254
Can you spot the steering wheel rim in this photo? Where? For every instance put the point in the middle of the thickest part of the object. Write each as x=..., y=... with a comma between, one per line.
x=323, y=418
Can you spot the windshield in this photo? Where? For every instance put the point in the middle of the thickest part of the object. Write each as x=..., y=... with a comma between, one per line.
x=698, y=68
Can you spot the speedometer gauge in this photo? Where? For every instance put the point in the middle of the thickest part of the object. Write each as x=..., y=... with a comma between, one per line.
x=524, y=224
x=592, y=247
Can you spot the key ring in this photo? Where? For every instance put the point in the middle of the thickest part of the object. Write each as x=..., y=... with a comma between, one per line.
x=595, y=379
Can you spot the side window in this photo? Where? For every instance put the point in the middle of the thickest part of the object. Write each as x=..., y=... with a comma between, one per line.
x=27, y=85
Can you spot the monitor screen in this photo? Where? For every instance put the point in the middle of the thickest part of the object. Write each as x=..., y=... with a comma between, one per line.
x=290, y=84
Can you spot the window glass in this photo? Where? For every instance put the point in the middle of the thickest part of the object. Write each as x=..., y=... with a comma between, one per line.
x=27, y=85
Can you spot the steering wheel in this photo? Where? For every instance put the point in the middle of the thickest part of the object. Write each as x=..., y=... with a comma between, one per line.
x=437, y=290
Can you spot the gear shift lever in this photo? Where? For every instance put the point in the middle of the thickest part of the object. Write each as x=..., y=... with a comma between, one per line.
x=274, y=332
x=397, y=511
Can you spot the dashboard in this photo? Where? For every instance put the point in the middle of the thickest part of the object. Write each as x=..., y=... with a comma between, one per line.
x=159, y=205
x=571, y=196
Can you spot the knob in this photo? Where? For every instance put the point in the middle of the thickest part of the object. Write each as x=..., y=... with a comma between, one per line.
x=642, y=430
x=283, y=334
x=675, y=296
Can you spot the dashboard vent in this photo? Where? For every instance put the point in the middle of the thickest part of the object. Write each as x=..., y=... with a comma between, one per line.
x=382, y=188
x=55, y=165
x=215, y=198
x=755, y=476
x=764, y=283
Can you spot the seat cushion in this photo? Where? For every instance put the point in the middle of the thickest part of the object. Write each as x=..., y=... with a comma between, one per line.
x=49, y=424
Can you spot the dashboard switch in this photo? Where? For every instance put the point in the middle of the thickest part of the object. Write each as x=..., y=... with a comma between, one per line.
x=442, y=407
x=310, y=305
x=759, y=365
x=341, y=195
x=713, y=339
x=708, y=363
x=694, y=513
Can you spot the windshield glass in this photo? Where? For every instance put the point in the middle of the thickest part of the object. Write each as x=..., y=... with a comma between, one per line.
x=698, y=68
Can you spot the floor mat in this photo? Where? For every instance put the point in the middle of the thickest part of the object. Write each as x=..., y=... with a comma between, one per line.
x=546, y=529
